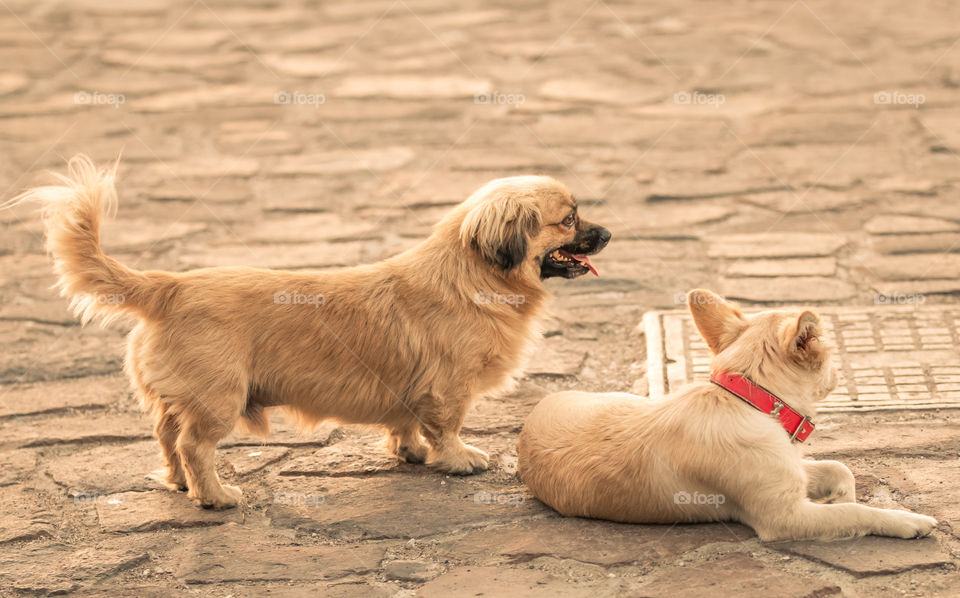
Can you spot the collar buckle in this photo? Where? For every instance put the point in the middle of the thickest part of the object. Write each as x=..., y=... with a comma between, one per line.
x=800, y=426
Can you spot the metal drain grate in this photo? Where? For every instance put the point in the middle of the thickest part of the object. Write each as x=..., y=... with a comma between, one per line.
x=889, y=357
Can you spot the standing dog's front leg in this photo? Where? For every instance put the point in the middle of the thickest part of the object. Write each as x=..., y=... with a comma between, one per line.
x=829, y=482
x=442, y=419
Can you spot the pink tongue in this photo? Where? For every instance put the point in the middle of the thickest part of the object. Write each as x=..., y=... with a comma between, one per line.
x=583, y=260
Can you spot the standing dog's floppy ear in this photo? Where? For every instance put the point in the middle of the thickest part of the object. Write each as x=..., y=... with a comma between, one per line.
x=719, y=322
x=800, y=339
x=498, y=227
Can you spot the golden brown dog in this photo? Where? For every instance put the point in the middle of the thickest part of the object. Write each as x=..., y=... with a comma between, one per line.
x=406, y=343
x=702, y=453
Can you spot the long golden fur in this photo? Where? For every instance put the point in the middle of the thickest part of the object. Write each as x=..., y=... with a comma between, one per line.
x=406, y=343
x=702, y=454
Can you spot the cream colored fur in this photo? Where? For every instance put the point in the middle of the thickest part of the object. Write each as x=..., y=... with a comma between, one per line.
x=632, y=459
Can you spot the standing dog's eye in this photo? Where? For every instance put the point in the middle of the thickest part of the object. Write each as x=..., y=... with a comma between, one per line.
x=569, y=220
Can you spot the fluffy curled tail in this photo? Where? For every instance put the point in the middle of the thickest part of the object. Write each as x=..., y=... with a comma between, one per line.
x=99, y=287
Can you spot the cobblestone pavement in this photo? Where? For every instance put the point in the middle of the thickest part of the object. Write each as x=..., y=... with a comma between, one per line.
x=779, y=152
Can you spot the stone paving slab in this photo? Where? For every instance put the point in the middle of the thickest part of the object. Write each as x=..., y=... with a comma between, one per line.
x=749, y=149
x=91, y=393
x=223, y=555
x=244, y=461
x=596, y=542
x=26, y=569
x=26, y=518
x=735, y=574
x=68, y=430
x=925, y=484
x=105, y=469
x=872, y=556
x=128, y=512
x=508, y=583
x=396, y=506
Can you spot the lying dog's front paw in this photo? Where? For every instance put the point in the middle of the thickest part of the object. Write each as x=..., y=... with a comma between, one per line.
x=462, y=460
x=225, y=497
x=912, y=525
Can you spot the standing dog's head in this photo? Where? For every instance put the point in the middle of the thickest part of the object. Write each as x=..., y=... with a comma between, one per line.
x=530, y=225
x=781, y=350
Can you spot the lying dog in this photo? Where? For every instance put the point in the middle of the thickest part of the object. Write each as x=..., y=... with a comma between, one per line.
x=406, y=343
x=710, y=452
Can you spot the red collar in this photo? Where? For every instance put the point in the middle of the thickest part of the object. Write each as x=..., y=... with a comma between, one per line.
x=797, y=426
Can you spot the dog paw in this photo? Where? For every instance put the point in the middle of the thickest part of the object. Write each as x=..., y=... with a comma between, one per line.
x=911, y=525
x=413, y=453
x=838, y=495
x=177, y=483
x=226, y=497
x=408, y=449
x=464, y=460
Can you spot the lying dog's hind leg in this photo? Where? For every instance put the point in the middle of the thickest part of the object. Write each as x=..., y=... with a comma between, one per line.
x=829, y=482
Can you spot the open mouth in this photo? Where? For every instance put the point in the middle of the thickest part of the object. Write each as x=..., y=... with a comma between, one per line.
x=570, y=260
x=561, y=262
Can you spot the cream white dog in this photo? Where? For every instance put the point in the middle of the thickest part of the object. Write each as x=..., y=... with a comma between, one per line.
x=705, y=453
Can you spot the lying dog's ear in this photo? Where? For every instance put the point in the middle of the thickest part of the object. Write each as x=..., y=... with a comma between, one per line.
x=719, y=322
x=800, y=338
x=499, y=229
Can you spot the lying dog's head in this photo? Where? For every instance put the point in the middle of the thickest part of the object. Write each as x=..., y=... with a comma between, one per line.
x=531, y=224
x=778, y=349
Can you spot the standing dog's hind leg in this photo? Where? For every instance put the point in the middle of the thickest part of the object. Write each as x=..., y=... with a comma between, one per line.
x=167, y=430
x=408, y=444
x=201, y=429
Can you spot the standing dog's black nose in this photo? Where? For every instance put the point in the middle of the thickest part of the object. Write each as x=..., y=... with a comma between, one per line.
x=599, y=237
x=604, y=237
